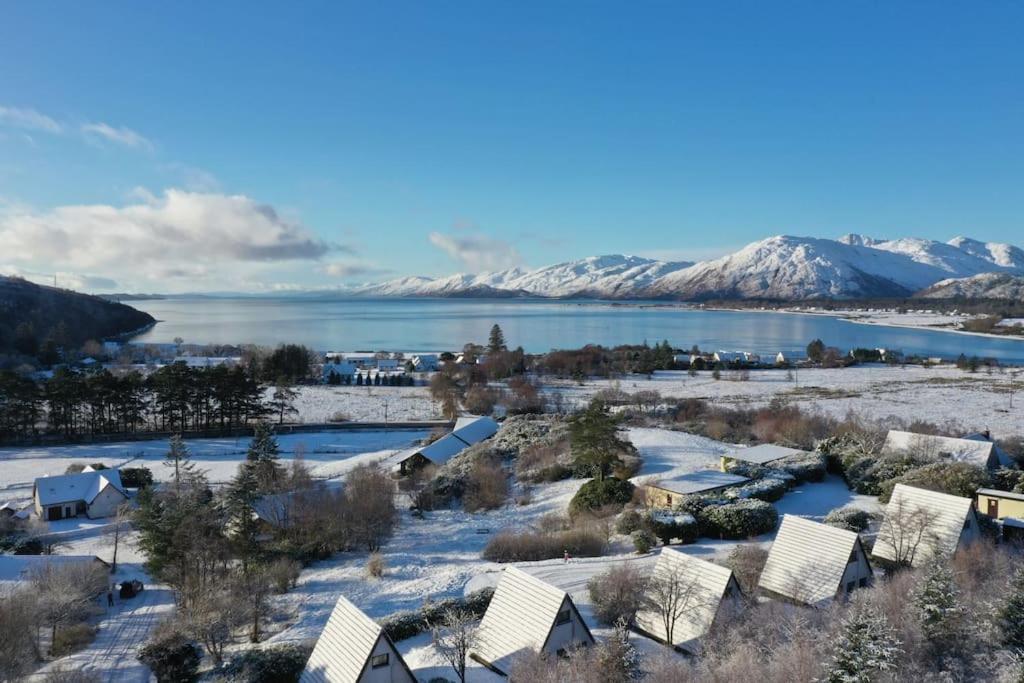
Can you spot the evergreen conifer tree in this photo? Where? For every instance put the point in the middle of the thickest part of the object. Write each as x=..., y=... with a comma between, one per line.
x=1011, y=615
x=496, y=340
x=865, y=646
x=936, y=599
x=262, y=460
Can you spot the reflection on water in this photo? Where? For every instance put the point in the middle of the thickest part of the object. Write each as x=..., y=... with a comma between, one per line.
x=439, y=324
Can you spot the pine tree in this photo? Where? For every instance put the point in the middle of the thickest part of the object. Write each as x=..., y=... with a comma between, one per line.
x=179, y=459
x=262, y=459
x=496, y=340
x=936, y=599
x=1011, y=615
x=595, y=443
x=867, y=644
x=243, y=528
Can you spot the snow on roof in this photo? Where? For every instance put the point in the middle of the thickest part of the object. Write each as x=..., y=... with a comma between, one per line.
x=343, y=649
x=474, y=428
x=700, y=481
x=807, y=560
x=85, y=485
x=16, y=568
x=709, y=582
x=944, y=517
x=975, y=449
x=996, y=493
x=765, y=453
x=520, y=618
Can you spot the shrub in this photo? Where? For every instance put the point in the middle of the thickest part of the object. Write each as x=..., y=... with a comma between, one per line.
x=809, y=467
x=747, y=561
x=375, y=565
x=599, y=493
x=409, y=623
x=617, y=593
x=643, y=541
x=739, y=520
x=136, y=477
x=72, y=639
x=61, y=674
x=171, y=656
x=486, y=487
x=849, y=518
x=955, y=478
x=280, y=664
x=768, y=490
x=670, y=525
x=628, y=522
x=27, y=545
x=541, y=462
x=528, y=546
x=284, y=573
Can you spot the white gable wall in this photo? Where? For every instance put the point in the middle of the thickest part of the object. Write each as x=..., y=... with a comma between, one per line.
x=394, y=672
x=856, y=571
x=569, y=635
x=105, y=503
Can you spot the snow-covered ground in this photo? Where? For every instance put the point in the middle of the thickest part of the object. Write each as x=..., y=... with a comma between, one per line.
x=319, y=404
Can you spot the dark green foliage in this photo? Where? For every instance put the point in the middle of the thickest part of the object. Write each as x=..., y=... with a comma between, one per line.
x=496, y=340
x=288, y=363
x=597, y=449
x=1010, y=617
x=643, y=541
x=136, y=477
x=628, y=522
x=172, y=657
x=403, y=625
x=263, y=461
x=816, y=351
x=955, y=478
x=849, y=518
x=679, y=526
x=280, y=664
x=599, y=493
x=738, y=520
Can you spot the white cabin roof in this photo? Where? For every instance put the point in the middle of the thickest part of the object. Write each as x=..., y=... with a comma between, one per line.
x=946, y=516
x=17, y=568
x=474, y=428
x=344, y=647
x=807, y=561
x=763, y=454
x=519, y=618
x=975, y=450
x=709, y=582
x=85, y=485
x=700, y=481
x=469, y=430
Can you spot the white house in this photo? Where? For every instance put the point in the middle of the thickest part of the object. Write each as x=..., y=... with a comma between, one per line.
x=468, y=430
x=94, y=493
x=354, y=649
x=814, y=563
x=709, y=589
x=976, y=449
x=527, y=615
x=920, y=525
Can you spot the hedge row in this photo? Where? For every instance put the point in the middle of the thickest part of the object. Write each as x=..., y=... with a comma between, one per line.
x=409, y=623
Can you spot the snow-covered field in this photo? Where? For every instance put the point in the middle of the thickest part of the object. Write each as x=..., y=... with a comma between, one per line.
x=319, y=404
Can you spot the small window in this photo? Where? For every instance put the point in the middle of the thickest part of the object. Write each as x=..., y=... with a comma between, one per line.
x=863, y=582
x=668, y=499
x=377, y=661
x=563, y=617
x=850, y=586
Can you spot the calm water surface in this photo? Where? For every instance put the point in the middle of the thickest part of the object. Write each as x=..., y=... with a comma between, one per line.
x=439, y=324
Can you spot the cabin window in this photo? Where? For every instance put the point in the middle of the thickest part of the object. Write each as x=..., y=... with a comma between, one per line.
x=850, y=586
x=563, y=618
x=863, y=582
x=377, y=661
x=668, y=499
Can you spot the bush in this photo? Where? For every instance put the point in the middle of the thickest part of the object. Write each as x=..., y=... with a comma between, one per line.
x=72, y=639
x=747, y=561
x=865, y=474
x=27, y=545
x=739, y=520
x=171, y=657
x=599, y=493
x=768, y=490
x=406, y=624
x=529, y=546
x=280, y=664
x=643, y=541
x=375, y=565
x=628, y=522
x=671, y=525
x=955, y=478
x=809, y=467
x=849, y=518
x=284, y=573
x=136, y=477
x=486, y=487
x=617, y=593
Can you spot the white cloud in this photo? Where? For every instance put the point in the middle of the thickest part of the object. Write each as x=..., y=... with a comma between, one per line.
x=179, y=235
x=477, y=252
x=29, y=119
x=118, y=135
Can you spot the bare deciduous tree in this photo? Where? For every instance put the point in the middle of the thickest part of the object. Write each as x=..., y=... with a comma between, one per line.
x=674, y=594
x=19, y=649
x=454, y=637
x=66, y=591
x=117, y=530
x=905, y=532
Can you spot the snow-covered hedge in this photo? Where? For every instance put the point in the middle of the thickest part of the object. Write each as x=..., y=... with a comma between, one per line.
x=849, y=518
x=738, y=520
x=805, y=467
x=280, y=664
x=668, y=525
x=406, y=624
x=769, y=490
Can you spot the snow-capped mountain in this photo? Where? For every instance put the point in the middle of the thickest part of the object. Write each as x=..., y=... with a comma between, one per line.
x=984, y=286
x=782, y=267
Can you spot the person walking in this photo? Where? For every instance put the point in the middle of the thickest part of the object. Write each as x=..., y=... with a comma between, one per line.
x=565, y=556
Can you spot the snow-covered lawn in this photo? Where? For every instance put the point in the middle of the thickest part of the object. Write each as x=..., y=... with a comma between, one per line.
x=666, y=454
x=319, y=404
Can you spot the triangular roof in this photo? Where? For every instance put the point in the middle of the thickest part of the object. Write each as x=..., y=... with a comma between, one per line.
x=707, y=583
x=344, y=648
x=938, y=519
x=473, y=429
x=974, y=449
x=765, y=453
x=807, y=560
x=520, y=618
x=85, y=485
x=469, y=430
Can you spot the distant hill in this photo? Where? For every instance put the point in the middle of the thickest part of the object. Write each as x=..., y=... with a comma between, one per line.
x=984, y=286
x=31, y=314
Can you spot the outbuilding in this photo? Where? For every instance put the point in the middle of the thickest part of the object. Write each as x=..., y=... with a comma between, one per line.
x=469, y=430
x=527, y=615
x=665, y=493
x=765, y=454
x=921, y=525
x=975, y=449
x=353, y=648
x=813, y=563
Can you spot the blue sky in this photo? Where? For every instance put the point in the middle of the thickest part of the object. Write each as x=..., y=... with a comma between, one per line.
x=246, y=146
